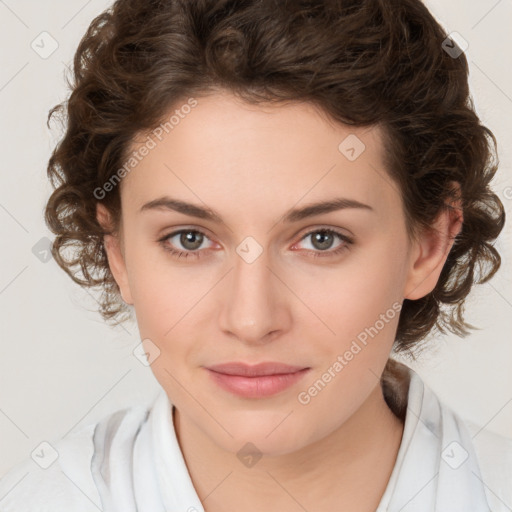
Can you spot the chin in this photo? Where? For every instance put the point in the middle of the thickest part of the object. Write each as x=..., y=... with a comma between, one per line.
x=257, y=444
x=272, y=433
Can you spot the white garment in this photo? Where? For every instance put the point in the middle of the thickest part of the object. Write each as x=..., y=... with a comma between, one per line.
x=131, y=461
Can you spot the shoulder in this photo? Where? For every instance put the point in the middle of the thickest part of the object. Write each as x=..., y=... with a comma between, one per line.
x=57, y=477
x=494, y=454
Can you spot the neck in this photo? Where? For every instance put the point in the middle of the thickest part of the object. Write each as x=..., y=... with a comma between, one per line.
x=360, y=452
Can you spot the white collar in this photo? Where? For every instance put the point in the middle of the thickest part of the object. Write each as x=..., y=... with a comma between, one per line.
x=436, y=466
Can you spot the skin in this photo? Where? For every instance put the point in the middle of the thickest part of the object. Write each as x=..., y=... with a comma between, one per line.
x=251, y=164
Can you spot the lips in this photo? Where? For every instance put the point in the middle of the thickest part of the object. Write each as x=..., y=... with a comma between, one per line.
x=257, y=370
x=256, y=381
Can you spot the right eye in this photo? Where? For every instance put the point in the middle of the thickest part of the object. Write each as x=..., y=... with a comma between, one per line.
x=190, y=240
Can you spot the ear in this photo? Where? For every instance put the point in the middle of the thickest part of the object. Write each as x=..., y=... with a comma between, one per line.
x=431, y=250
x=113, y=248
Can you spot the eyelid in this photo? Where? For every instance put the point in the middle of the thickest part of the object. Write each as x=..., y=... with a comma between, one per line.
x=346, y=242
x=308, y=231
x=339, y=231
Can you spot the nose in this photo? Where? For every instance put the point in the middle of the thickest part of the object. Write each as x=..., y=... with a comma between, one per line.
x=254, y=309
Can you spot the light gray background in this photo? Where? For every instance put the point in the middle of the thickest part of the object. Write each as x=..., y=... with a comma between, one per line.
x=61, y=367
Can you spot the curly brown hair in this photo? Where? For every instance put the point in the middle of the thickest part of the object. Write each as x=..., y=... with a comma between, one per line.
x=363, y=62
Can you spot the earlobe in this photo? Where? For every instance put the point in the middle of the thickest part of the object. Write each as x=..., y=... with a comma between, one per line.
x=115, y=255
x=430, y=252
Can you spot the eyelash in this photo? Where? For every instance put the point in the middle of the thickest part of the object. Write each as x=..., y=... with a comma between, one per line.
x=195, y=254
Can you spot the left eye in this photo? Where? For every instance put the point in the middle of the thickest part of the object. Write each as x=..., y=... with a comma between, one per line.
x=322, y=240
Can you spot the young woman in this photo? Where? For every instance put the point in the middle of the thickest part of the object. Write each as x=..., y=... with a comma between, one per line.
x=283, y=193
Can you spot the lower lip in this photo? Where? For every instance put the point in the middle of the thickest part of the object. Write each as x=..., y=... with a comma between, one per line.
x=257, y=387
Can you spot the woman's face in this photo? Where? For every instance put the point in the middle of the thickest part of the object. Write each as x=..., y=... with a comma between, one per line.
x=261, y=281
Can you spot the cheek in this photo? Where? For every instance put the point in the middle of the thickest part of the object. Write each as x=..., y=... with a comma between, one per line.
x=169, y=301
x=361, y=307
x=161, y=289
x=363, y=291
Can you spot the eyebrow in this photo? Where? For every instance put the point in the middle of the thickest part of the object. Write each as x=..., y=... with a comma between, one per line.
x=293, y=215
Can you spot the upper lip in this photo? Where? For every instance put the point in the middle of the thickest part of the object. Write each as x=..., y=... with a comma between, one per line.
x=247, y=370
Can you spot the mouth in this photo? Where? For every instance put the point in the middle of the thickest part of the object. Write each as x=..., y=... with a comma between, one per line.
x=256, y=381
x=256, y=370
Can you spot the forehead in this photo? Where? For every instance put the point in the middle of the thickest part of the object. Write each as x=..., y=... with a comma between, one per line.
x=261, y=156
